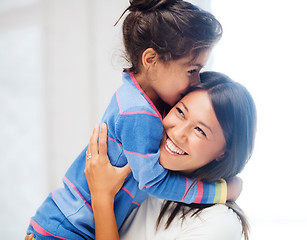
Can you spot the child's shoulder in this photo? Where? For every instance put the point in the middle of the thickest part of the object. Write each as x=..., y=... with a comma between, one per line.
x=128, y=94
x=131, y=98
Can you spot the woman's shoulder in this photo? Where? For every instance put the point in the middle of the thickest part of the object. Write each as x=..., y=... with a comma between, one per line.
x=218, y=213
x=218, y=210
x=216, y=222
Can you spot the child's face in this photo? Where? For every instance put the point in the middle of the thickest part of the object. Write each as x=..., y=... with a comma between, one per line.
x=170, y=80
x=192, y=136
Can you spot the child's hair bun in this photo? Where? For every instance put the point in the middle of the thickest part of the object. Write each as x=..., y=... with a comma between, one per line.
x=148, y=5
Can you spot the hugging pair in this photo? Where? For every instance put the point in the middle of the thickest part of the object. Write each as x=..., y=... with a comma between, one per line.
x=208, y=136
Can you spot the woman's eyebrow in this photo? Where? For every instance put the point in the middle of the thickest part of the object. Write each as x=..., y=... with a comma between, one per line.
x=205, y=125
x=185, y=107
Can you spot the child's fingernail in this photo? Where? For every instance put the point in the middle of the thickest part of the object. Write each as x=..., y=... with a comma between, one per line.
x=103, y=125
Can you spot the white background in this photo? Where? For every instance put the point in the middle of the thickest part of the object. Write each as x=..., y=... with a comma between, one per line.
x=264, y=47
x=59, y=61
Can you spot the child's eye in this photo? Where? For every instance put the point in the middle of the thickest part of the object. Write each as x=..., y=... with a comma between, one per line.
x=192, y=71
x=200, y=131
x=180, y=112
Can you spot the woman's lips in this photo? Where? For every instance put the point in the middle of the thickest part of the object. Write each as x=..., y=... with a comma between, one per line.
x=172, y=148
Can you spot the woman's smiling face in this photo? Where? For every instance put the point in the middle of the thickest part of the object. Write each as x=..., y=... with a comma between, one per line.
x=192, y=136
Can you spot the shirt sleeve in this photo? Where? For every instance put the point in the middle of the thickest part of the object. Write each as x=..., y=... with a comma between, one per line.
x=140, y=135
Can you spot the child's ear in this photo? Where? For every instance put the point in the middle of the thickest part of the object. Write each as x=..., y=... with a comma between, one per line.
x=149, y=57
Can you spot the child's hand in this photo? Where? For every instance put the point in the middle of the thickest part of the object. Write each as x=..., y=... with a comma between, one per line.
x=234, y=188
x=104, y=180
x=29, y=237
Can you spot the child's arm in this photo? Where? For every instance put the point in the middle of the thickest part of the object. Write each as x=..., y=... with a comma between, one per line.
x=104, y=182
x=140, y=135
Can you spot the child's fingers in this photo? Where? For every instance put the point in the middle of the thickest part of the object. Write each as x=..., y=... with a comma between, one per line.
x=29, y=237
x=103, y=140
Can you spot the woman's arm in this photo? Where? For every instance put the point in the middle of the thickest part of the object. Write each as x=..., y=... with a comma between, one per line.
x=104, y=181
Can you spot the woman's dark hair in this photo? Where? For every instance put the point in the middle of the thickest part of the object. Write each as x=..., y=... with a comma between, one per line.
x=173, y=28
x=236, y=112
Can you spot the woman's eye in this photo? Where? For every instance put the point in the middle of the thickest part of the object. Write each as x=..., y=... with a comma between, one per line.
x=200, y=131
x=180, y=112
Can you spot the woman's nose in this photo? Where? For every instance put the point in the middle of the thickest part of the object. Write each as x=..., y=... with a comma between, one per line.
x=180, y=132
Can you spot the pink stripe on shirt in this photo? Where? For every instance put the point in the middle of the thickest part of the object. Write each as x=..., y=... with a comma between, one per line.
x=136, y=203
x=200, y=191
x=136, y=84
x=112, y=139
x=127, y=191
x=78, y=193
x=130, y=194
x=135, y=112
x=42, y=231
x=135, y=153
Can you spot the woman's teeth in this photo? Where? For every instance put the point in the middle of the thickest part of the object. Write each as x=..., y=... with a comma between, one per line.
x=171, y=146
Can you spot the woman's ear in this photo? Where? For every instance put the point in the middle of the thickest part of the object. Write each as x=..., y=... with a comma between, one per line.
x=149, y=57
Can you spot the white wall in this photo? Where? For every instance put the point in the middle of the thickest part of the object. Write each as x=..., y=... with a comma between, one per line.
x=21, y=148
x=264, y=47
x=58, y=60
x=79, y=40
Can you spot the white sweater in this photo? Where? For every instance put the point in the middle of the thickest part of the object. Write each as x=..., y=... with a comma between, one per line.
x=215, y=223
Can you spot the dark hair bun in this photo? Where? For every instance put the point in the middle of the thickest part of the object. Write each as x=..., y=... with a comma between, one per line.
x=148, y=5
